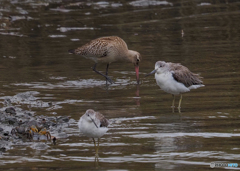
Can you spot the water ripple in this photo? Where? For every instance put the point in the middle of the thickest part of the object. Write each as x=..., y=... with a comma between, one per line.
x=202, y=134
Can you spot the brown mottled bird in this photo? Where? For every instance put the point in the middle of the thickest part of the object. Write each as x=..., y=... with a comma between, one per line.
x=107, y=50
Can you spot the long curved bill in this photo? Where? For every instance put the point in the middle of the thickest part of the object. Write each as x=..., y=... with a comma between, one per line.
x=137, y=73
x=153, y=72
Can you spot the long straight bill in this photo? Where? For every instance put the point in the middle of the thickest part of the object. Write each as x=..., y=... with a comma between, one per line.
x=137, y=73
x=153, y=72
x=93, y=122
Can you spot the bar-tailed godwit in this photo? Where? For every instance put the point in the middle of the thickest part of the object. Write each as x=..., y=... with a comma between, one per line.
x=107, y=50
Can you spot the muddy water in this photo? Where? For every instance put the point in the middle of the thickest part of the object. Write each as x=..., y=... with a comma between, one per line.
x=144, y=134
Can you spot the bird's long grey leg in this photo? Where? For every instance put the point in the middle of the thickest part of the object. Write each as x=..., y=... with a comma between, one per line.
x=94, y=69
x=95, y=145
x=107, y=72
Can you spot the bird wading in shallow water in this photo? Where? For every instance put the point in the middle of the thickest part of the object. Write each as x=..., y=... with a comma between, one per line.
x=175, y=78
x=107, y=50
x=93, y=125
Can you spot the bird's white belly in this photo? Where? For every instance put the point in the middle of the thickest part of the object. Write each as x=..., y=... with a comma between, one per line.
x=90, y=130
x=168, y=84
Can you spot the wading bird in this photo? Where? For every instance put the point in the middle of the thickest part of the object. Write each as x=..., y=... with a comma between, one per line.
x=93, y=125
x=107, y=50
x=175, y=78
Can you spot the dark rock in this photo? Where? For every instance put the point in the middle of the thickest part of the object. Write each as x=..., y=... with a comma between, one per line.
x=54, y=140
x=52, y=123
x=7, y=102
x=50, y=104
x=3, y=149
x=21, y=122
x=52, y=118
x=6, y=138
x=1, y=129
x=29, y=114
x=63, y=118
x=12, y=121
x=48, y=124
x=10, y=110
x=66, y=119
x=6, y=133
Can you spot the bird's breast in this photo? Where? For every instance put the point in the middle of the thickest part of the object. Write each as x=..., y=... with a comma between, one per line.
x=168, y=84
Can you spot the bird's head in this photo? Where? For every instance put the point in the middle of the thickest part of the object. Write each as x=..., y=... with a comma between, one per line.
x=159, y=67
x=90, y=116
x=135, y=58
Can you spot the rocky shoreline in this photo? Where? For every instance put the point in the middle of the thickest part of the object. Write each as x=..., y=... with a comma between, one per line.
x=21, y=127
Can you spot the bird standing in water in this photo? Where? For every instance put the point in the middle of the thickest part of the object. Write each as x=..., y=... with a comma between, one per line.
x=107, y=50
x=93, y=125
x=175, y=78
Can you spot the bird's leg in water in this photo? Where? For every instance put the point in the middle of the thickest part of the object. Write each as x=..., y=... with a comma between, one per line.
x=107, y=73
x=107, y=78
x=173, y=103
x=95, y=145
x=179, y=105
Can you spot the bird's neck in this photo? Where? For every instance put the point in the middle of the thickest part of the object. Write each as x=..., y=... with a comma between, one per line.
x=130, y=55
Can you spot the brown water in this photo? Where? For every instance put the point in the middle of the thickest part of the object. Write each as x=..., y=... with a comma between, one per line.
x=144, y=134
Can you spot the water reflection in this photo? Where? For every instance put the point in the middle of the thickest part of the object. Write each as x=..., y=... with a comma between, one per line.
x=137, y=98
x=96, y=161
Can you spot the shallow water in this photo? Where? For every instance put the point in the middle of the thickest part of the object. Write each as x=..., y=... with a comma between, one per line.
x=144, y=135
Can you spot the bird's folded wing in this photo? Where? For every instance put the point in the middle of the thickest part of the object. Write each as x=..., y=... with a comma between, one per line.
x=95, y=48
x=103, y=121
x=186, y=77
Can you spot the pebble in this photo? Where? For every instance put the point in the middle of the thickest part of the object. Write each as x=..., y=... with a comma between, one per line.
x=11, y=121
x=10, y=110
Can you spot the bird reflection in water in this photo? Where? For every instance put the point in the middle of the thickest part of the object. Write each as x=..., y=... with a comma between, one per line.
x=137, y=98
x=96, y=161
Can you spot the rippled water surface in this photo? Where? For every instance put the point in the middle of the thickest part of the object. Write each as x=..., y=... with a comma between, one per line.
x=144, y=134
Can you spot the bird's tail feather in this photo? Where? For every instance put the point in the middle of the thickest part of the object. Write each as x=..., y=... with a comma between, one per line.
x=195, y=86
x=71, y=51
